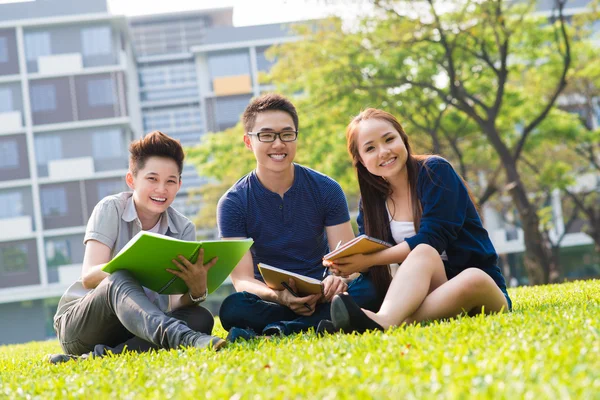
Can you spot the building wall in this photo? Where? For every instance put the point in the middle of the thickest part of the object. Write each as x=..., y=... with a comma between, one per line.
x=65, y=124
x=50, y=8
x=23, y=322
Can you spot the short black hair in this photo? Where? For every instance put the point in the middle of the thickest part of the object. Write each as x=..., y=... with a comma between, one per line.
x=154, y=144
x=268, y=102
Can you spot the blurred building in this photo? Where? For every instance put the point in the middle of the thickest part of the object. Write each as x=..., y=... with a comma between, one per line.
x=68, y=108
x=77, y=84
x=197, y=74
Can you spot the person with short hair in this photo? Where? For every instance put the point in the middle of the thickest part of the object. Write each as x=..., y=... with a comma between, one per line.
x=102, y=312
x=294, y=215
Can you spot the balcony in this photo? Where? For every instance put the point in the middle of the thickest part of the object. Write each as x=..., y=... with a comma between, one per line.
x=16, y=228
x=60, y=64
x=11, y=122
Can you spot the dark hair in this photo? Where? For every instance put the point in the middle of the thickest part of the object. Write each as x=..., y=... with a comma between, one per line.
x=268, y=102
x=154, y=144
x=374, y=189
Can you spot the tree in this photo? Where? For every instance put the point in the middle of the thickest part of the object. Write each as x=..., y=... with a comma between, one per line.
x=474, y=83
x=461, y=57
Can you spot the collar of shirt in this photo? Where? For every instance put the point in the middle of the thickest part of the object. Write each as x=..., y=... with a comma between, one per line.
x=166, y=223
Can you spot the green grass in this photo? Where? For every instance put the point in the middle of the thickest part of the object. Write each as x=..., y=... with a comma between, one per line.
x=547, y=348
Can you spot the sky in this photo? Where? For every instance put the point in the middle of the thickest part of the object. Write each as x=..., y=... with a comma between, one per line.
x=245, y=12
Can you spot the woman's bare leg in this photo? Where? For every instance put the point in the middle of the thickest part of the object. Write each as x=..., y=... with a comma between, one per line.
x=421, y=273
x=420, y=291
x=470, y=291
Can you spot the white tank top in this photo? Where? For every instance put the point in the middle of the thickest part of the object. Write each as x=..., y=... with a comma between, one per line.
x=404, y=229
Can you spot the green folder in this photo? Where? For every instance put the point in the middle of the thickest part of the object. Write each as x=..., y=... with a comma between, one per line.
x=148, y=255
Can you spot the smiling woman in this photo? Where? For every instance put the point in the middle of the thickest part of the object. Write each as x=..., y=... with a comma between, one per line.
x=448, y=263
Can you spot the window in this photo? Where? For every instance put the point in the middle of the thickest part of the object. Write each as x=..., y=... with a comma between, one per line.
x=229, y=110
x=3, y=50
x=14, y=259
x=58, y=252
x=229, y=64
x=263, y=63
x=170, y=74
x=107, y=188
x=6, y=103
x=173, y=119
x=173, y=93
x=9, y=154
x=54, y=201
x=107, y=144
x=11, y=204
x=100, y=92
x=37, y=44
x=43, y=98
x=96, y=41
x=47, y=148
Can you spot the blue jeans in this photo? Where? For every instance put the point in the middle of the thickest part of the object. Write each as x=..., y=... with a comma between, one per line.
x=247, y=310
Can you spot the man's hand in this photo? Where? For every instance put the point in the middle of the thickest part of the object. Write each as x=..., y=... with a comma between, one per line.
x=194, y=275
x=346, y=266
x=332, y=285
x=297, y=304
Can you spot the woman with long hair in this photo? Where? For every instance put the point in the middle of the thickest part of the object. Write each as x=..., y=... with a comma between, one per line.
x=421, y=205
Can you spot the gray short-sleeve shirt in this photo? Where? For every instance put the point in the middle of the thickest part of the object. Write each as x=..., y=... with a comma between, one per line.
x=113, y=223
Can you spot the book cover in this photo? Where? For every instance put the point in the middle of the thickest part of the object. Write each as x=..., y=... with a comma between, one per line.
x=362, y=244
x=273, y=277
x=147, y=256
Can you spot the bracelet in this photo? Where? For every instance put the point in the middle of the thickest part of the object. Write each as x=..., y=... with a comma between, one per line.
x=200, y=299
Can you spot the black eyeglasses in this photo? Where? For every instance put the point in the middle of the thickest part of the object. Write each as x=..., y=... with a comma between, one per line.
x=268, y=137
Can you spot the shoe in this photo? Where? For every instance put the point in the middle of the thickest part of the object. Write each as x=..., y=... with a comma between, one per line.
x=61, y=358
x=203, y=340
x=236, y=334
x=275, y=329
x=347, y=315
x=326, y=326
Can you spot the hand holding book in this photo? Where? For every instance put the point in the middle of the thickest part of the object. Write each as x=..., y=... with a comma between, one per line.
x=353, y=256
x=290, y=298
x=193, y=274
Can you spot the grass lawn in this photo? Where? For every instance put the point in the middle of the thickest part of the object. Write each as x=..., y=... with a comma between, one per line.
x=547, y=348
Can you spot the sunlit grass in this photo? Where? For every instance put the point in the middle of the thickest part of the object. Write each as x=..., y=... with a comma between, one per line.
x=548, y=347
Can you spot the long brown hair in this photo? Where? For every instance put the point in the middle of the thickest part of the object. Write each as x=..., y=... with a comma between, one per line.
x=374, y=190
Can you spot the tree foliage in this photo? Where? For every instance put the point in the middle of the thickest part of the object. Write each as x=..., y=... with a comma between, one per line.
x=474, y=81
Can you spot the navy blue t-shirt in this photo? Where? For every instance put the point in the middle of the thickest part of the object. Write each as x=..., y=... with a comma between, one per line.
x=450, y=222
x=289, y=232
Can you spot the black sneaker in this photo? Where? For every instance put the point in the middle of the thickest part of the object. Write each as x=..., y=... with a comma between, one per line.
x=61, y=358
x=347, y=315
x=236, y=334
x=326, y=326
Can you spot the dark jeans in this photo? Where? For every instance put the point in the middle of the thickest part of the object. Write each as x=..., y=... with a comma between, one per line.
x=247, y=310
x=118, y=313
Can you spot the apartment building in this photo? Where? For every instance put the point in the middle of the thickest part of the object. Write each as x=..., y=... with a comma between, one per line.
x=68, y=108
x=77, y=84
x=197, y=73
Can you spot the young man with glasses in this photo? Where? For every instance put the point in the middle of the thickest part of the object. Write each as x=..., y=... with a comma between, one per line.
x=295, y=215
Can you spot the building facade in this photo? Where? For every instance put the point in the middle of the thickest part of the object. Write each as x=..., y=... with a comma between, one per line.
x=77, y=84
x=197, y=73
x=68, y=108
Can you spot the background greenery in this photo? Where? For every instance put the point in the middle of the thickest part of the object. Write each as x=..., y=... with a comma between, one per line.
x=507, y=95
x=548, y=347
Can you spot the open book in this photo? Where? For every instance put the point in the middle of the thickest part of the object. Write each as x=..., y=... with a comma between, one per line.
x=274, y=277
x=147, y=256
x=362, y=244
